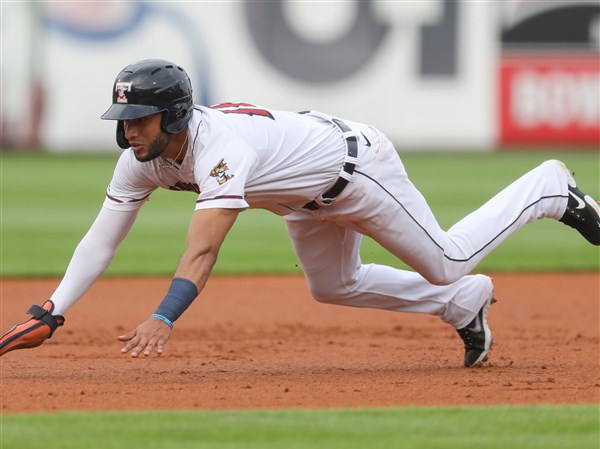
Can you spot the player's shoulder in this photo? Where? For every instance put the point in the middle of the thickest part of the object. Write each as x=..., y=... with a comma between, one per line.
x=127, y=160
x=130, y=168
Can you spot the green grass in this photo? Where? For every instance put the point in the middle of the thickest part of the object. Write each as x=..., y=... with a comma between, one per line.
x=48, y=202
x=500, y=427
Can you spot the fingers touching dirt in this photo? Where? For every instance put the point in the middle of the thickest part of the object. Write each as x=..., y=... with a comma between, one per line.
x=151, y=334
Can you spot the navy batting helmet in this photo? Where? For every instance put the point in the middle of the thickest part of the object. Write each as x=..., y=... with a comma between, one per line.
x=149, y=87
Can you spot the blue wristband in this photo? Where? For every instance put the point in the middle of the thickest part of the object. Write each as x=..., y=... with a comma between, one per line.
x=165, y=320
x=181, y=294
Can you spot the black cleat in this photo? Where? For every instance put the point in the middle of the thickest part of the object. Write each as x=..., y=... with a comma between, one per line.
x=477, y=336
x=583, y=214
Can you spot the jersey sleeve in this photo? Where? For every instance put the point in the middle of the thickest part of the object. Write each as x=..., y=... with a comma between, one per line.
x=129, y=189
x=92, y=256
x=222, y=176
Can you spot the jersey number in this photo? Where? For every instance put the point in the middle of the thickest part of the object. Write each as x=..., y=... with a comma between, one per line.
x=242, y=108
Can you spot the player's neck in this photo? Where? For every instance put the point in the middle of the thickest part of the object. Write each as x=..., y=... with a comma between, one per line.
x=177, y=147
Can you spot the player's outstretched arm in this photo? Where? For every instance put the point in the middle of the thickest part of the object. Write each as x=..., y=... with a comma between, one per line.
x=90, y=259
x=207, y=231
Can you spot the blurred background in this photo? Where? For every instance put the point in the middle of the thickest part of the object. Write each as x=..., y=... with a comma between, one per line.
x=450, y=81
x=433, y=74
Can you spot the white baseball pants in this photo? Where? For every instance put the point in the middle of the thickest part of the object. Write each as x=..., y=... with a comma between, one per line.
x=382, y=203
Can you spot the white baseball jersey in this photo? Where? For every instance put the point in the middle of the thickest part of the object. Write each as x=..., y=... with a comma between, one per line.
x=242, y=156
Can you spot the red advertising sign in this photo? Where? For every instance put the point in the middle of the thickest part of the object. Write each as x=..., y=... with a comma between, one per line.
x=549, y=99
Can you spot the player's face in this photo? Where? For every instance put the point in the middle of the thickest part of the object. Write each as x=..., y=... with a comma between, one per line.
x=146, y=138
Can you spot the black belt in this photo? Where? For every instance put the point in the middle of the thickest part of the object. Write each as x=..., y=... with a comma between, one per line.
x=348, y=167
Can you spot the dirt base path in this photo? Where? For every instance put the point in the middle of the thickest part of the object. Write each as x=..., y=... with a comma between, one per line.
x=262, y=342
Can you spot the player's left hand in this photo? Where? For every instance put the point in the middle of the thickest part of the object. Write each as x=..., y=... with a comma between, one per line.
x=148, y=335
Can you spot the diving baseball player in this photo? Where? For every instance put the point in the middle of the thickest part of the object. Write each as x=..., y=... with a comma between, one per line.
x=333, y=180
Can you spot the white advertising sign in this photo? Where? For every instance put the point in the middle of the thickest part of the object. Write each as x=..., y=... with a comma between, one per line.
x=424, y=72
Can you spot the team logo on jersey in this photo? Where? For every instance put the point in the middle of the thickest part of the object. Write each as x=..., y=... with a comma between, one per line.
x=121, y=88
x=219, y=172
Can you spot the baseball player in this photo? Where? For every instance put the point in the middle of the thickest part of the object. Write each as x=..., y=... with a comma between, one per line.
x=333, y=181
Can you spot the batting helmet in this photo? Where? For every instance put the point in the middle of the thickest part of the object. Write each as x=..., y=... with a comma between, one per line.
x=149, y=87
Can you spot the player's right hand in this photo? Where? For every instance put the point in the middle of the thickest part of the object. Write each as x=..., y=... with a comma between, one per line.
x=150, y=334
x=34, y=331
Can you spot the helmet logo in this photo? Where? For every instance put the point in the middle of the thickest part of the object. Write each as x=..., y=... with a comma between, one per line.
x=121, y=88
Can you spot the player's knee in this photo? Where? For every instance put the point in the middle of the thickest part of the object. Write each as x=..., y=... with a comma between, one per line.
x=442, y=277
x=326, y=294
x=326, y=297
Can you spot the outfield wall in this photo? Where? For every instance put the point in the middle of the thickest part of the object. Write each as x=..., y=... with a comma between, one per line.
x=433, y=74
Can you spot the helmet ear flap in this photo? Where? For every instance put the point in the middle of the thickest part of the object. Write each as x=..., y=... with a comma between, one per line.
x=164, y=121
x=121, y=140
x=173, y=122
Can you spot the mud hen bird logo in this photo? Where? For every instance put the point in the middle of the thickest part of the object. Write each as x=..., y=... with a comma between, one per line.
x=219, y=172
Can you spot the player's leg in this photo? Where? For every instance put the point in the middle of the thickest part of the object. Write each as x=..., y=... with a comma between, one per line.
x=330, y=257
x=385, y=205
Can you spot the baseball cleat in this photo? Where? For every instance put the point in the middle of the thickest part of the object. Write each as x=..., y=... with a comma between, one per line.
x=583, y=213
x=477, y=336
x=34, y=331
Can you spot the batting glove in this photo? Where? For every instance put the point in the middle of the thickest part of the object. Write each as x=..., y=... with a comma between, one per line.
x=34, y=331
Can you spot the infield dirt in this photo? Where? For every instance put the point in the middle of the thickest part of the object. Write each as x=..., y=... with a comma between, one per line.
x=262, y=342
